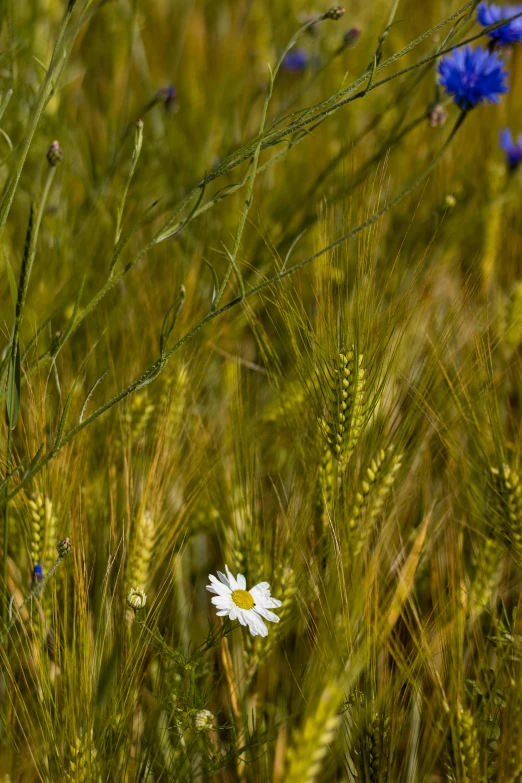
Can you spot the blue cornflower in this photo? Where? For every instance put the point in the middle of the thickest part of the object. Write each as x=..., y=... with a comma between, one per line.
x=508, y=33
x=513, y=149
x=37, y=573
x=472, y=76
x=295, y=61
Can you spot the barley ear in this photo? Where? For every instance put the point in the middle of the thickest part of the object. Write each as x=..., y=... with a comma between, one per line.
x=307, y=754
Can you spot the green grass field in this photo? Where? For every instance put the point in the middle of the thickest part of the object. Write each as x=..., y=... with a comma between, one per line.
x=260, y=307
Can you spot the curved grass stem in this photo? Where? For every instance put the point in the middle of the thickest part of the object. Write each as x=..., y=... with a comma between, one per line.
x=157, y=367
x=35, y=222
x=297, y=133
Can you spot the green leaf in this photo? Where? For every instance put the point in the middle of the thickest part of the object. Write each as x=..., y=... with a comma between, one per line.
x=91, y=392
x=215, y=279
x=13, y=389
x=12, y=279
x=169, y=322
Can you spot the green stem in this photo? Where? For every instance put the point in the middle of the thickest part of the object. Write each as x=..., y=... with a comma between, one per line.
x=254, y=170
x=308, y=115
x=45, y=93
x=6, y=525
x=138, y=141
x=25, y=276
x=168, y=229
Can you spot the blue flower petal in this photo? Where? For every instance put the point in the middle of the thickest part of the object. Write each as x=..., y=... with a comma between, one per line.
x=512, y=149
x=509, y=33
x=295, y=61
x=472, y=76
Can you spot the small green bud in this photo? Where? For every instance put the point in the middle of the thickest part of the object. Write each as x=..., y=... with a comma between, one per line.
x=136, y=599
x=54, y=154
x=64, y=547
x=335, y=13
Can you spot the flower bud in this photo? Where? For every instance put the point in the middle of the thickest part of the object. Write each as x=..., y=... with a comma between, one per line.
x=136, y=599
x=54, y=154
x=335, y=13
x=64, y=547
x=351, y=37
x=203, y=720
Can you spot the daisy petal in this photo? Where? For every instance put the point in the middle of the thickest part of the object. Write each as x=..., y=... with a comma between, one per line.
x=269, y=603
x=221, y=602
x=221, y=589
x=243, y=617
x=263, y=586
x=231, y=580
x=267, y=614
x=257, y=626
x=260, y=591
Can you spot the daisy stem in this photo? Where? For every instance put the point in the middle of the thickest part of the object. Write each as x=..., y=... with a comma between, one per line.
x=212, y=640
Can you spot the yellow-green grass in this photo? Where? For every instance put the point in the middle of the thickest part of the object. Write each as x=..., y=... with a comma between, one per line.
x=397, y=556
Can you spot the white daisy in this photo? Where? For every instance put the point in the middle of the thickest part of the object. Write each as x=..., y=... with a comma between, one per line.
x=232, y=599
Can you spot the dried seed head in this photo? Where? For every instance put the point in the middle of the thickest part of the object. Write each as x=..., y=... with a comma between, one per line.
x=64, y=547
x=335, y=13
x=136, y=599
x=54, y=154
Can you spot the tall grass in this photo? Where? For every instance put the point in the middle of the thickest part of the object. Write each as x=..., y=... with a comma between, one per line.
x=269, y=320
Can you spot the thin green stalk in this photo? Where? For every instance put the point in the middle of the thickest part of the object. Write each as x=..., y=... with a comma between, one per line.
x=157, y=367
x=240, y=156
x=33, y=244
x=255, y=161
x=25, y=275
x=317, y=119
x=6, y=524
x=406, y=90
x=138, y=142
x=384, y=34
x=167, y=230
x=308, y=115
x=43, y=97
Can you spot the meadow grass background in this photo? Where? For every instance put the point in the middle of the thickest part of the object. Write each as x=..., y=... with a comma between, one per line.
x=397, y=657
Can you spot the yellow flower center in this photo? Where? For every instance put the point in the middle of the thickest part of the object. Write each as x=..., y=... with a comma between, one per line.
x=243, y=599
